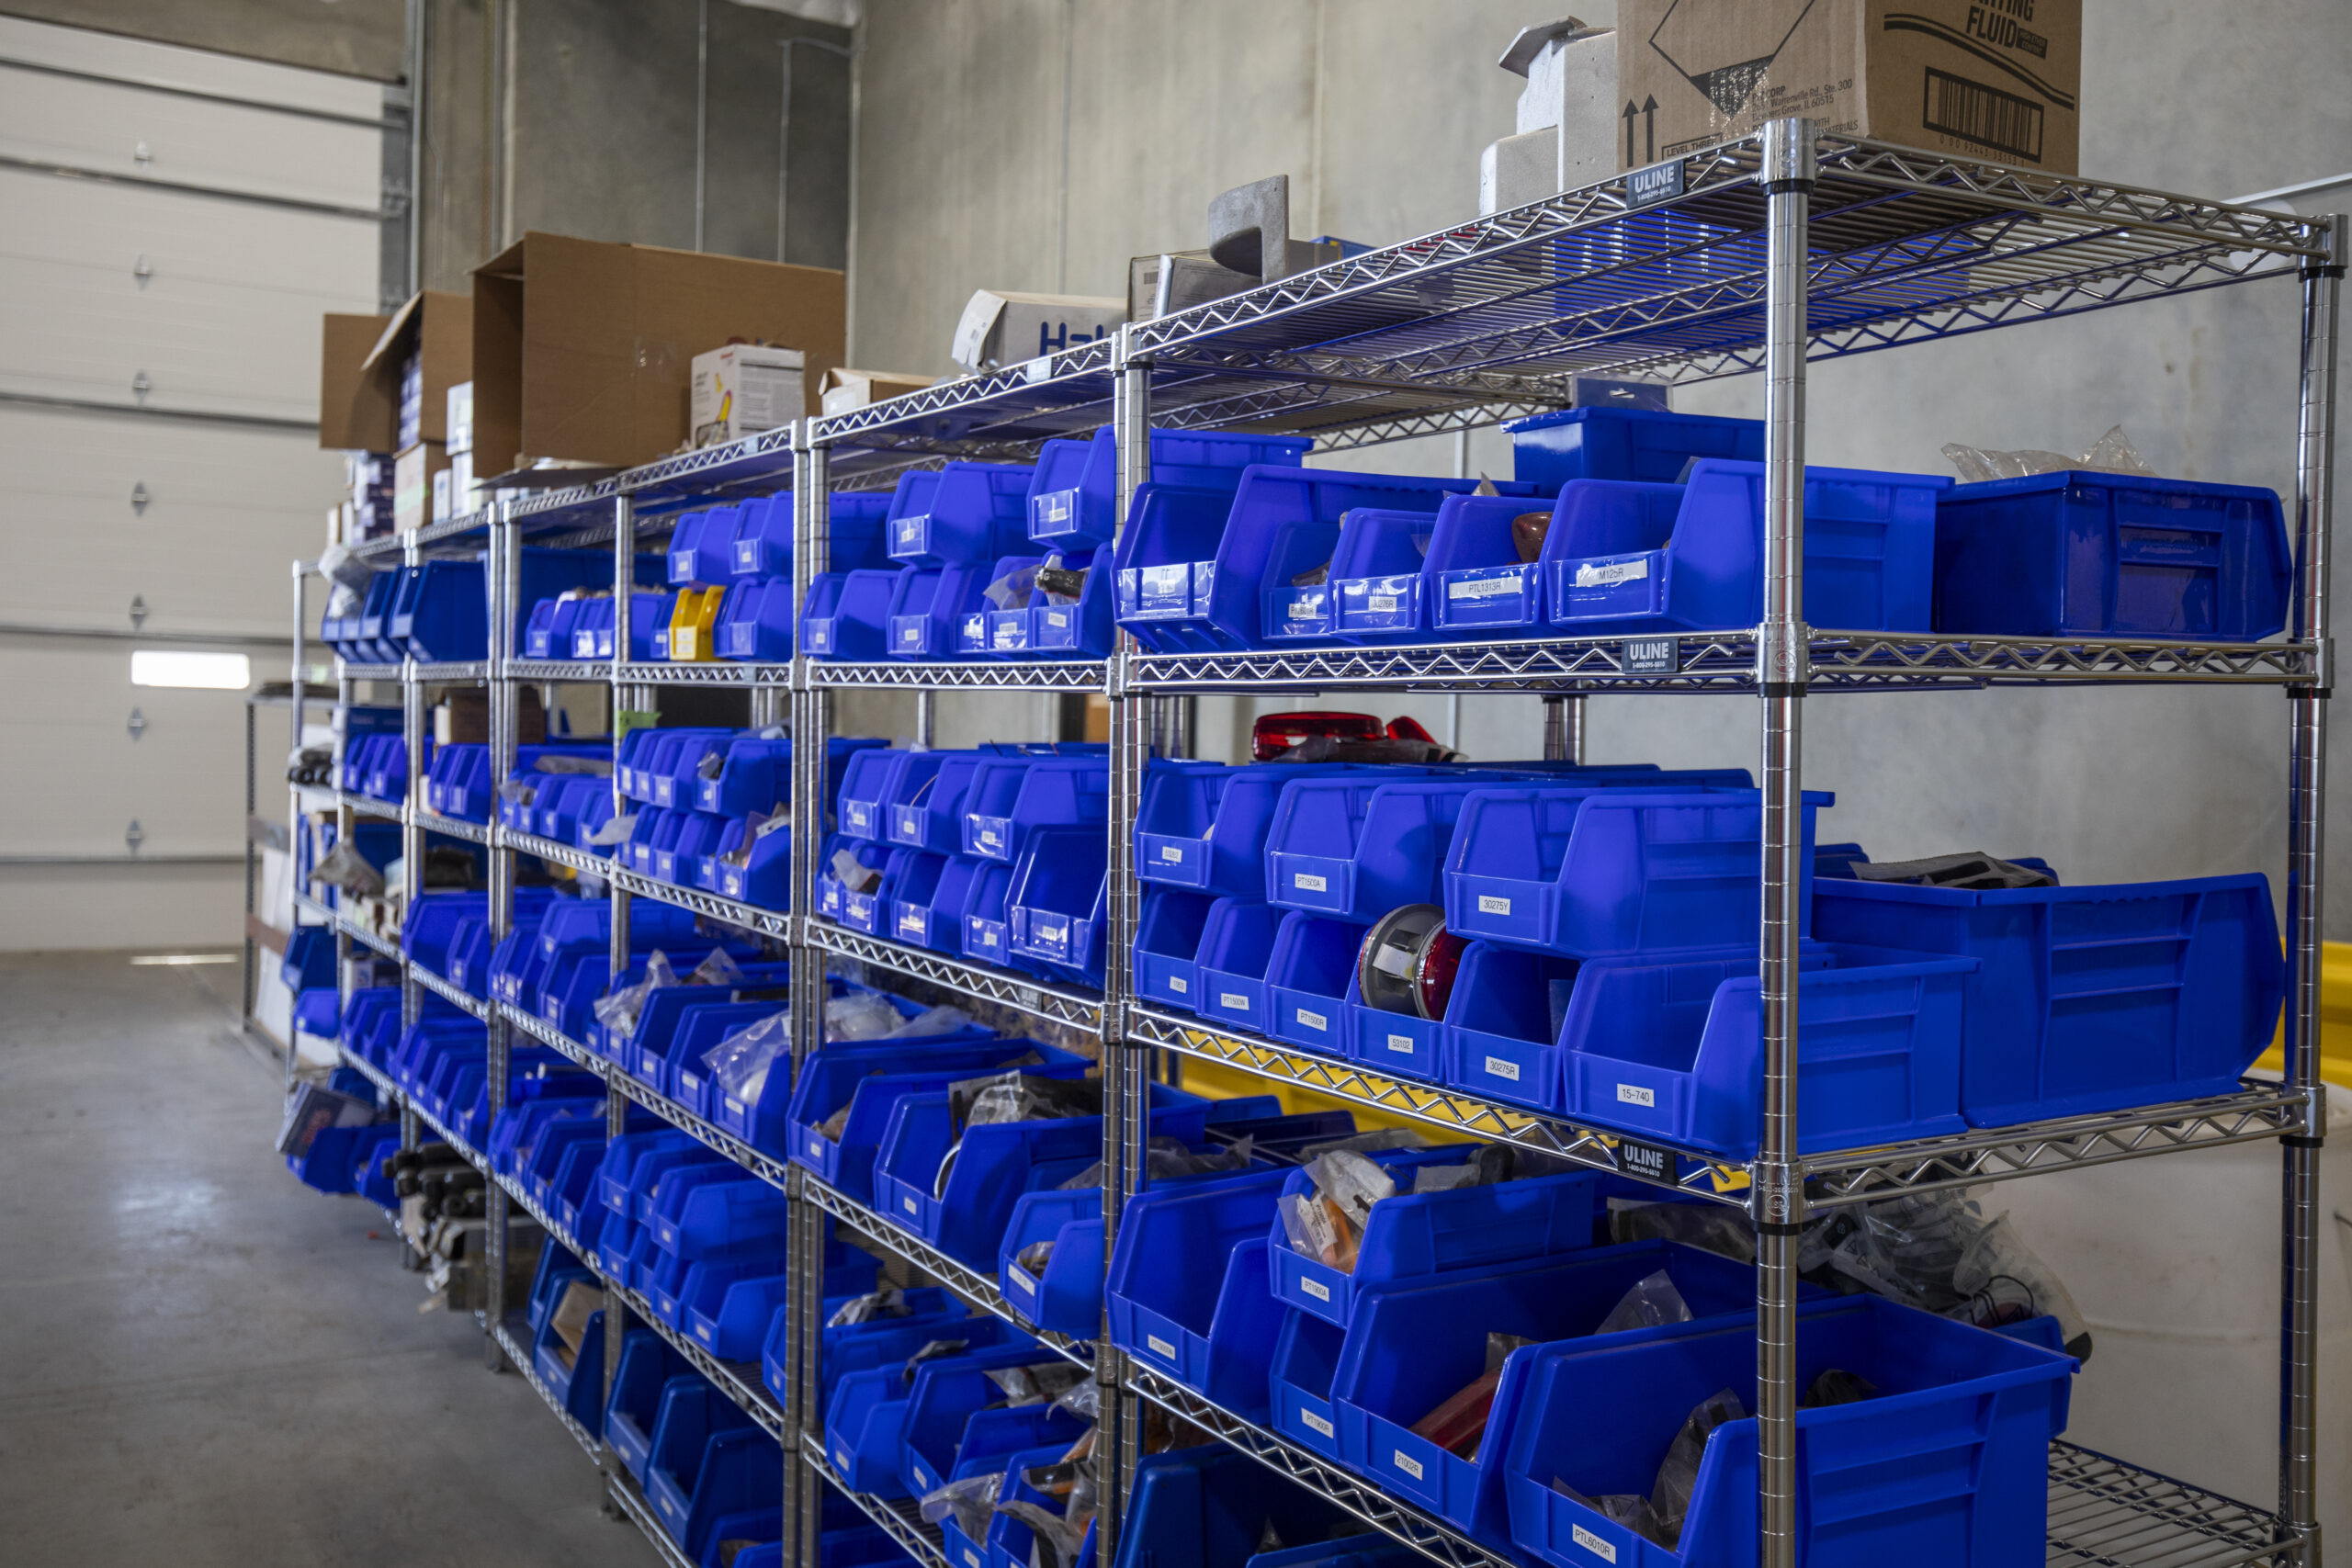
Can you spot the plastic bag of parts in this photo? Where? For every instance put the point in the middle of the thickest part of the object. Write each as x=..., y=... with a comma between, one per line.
x=932, y=1350
x=2110, y=454
x=1328, y=1223
x=1679, y=1471
x=872, y=1307
x=1836, y=1385
x=1167, y=1159
x=853, y=873
x=614, y=831
x=717, y=968
x=579, y=767
x=1371, y=1143
x=1971, y=871
x=344, y=601
x=1460, y=1420
x=348, y=871
x=1071, y=1489
x=346, y=570
x=969, y=1502
x=1651, y=1302
x=1039, y=1383
x=761, y=827
x=740, y=1063
x=1935, y=1251
x=1710, y=1226
x=863, y=1015
x=1012, y=590
x=617, y=1011
x=1021, y=1097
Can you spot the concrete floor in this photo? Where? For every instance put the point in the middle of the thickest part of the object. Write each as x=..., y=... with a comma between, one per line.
x=205, y=1363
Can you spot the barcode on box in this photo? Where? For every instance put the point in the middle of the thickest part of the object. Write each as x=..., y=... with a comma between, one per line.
x=1986, y=115
x=1592, y=1543
x=1490, y=905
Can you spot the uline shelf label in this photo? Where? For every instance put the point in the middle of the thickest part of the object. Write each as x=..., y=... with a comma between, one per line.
x=1660, y=182
x=1652, y=655
x=1646, y=1160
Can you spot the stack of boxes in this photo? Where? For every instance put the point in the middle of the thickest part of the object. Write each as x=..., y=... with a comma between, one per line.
x=453, y=487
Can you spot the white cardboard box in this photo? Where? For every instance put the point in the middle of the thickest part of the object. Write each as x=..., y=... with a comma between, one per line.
x=744, y=388
x=461, y=418
x=843, y=389
x=1000, y=328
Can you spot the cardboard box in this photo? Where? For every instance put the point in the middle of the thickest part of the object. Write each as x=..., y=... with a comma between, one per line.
x=1996, y=82
x=441, y=513
x=359, y=383
x=1001, y=328
x=462, y=717
x=842, y=388
x=744, y=388
x=413, y=473
x=460, y=437
x=463, y=497
x=583, y=350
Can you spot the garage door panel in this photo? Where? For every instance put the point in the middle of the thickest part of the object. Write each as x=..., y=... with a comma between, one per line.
x=74, y=778
x=112, y=54
x=113, y=228
x=102, y=126
x=226, y=510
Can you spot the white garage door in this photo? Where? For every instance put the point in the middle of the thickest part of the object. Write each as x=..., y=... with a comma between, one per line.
x=172, y=224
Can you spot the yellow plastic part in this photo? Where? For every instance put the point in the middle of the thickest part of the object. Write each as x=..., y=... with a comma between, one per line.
x=2335, y=1018
x=693, y=635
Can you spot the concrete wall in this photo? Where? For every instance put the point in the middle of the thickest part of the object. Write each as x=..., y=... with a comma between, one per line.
x=355, y=37
x=1036, y=144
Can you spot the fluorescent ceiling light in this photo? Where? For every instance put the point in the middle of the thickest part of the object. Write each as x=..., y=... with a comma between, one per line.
x=218, y=672
x=181, y=959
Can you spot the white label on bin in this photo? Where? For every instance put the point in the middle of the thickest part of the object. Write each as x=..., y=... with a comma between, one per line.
x=1305, y=609
x=1171, y=853
x=1381, y=602
x=815, y=1142
x=1306, y=881
x=1228, y=999
x=1411, y=1467
x=1315, y=1288
x=910, y=921
x=910, y=1205
x=1401, y=1042
x=1313, y=1019
x=1503, y=1070
x=971, y=1559
x=1483, y=587
x=1180, y=986
x=1592, y=1543
x=1635, y=1094
x=1158, y=1347
x=1058, y=617
x=912, y=634
x=988, y=837
x=1317, y=1423
x=1600, y=575
x=1490, y=905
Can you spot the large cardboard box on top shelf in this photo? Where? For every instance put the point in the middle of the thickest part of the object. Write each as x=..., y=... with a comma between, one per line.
x=360, y=370
x=1996, y=82
x=585, y=350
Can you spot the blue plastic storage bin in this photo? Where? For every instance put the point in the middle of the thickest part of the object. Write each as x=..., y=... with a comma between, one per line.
x=959, y=515
x=1060, y=627
x=763, y=543
x=1550, y=450
x=1236, y=943
x=2111, y=555
x=870, y=1081
x=1071, y=499
x=1672, y=1049
x=1947, y=1466
x=932, y=900
x=647, y=1365
x=1168, y=945
x=2087, y=999
x=925, y=616
x=1187, y=1293
x=1203, y=825
x=1056, y=910
x=847, y=613
x=1622, y=557
x=949, y=1418
x=1362, y=844
x=1309, y=975
x=576, y=1382
x=1419, y=1237
x=987, y=927
x=702, y=546
x=1011, y=795
x=1212, y=1506
x=1407, y=1338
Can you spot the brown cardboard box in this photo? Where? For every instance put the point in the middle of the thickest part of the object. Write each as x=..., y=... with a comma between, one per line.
x=1996, y=82
x=842, y=388
x=462, y=717
x=413, y=473
x=359, y=375
x=583, y=350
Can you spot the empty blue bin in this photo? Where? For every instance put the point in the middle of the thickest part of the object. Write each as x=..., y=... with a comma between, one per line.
x=1236, y=943
x=702, y=546
x=847, y=613
x=763, y=543
x=1377, y=569
x=1054, y=908
x=2087, y=999
x=1168, y=944
x=1360, y=845
x=647, y=1367
x=925, y=616
x=1071, y=500
x=933, y=898
x=1650, y=445
x=959, y=515
x=1408, y=1338
x=1621, y=556
x=1947, y=1466
x=1009, y=797
x=987, y=922
x=1203, y=825
x=1187, y=1293
x=2111, y=555
x=1215, y=1506
x=1308, y=975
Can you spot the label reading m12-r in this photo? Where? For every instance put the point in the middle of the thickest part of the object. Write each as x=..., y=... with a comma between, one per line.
x=1651, y=656
x=1645, y=1160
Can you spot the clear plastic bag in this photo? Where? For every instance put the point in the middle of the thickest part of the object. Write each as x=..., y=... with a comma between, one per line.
x=339, y=565
x=1054, y=1541
x=998, y=1098
x=2110, y=454
x=1710, y=1226
x=346, y=870
x=1167, y=1159
x=576, y=767
x=1372, y=1142
x=933, y=1350
x=874, y=1305
x=861, y=1015
x=739, y=1064
x=717, y=968
x=1627, y=1509
x=969, y=1502
x=615, y=830
x=1652, y=1302
x=617, y=1011
x=1083, y=1399
x=1679, y=1473
x=1327, y=1224
x=1039, y=1382
x=1012, y=590
x=853, y=873
x=1483, y=1167
x=2004, y=1280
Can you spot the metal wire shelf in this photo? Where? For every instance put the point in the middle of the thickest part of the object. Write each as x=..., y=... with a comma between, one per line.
x=898, y=1515
x=1053, y=1004
x=453, y=826
x=2105, y=1513
x=624, y=1492
x=1001, y=675
x=367, y=805
x=977, y=1289
x=750, y=916
x=518, y=1356
x=471, y=1005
